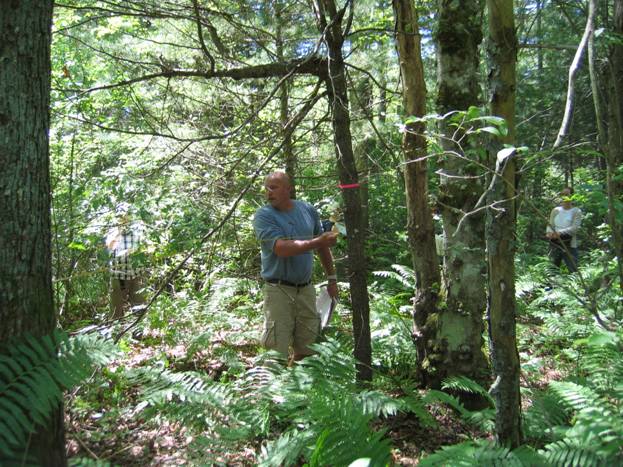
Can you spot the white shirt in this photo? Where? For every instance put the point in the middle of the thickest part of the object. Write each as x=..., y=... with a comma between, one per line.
x=565, y=221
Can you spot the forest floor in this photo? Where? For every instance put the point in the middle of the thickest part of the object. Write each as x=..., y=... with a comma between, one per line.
x=105, y=419
x=103, y=423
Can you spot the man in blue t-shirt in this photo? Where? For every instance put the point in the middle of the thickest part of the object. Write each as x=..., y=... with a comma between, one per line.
x=289, y=231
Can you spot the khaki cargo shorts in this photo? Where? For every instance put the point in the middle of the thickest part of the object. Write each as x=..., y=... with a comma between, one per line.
x=290, y=318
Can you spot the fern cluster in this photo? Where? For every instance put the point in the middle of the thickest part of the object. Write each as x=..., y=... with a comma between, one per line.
x=586, y=422
x=313, y=411
x=573, y=423
x=34, y=373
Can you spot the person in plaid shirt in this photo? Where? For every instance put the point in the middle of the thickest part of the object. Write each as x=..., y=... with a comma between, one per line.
x=122, y=241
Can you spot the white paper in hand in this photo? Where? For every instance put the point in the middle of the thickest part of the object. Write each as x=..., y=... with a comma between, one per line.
x=324, y=305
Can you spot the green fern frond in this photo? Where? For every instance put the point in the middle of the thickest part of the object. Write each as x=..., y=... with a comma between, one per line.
x=458, y=455
x=434, y=395
x=483, y=453
x=406, y=273
x=320, y=396
x=285, y=450
x=563, y=454
x=403, y=274
x=483, y=419
x=345, y=435
x=376, y=403
x=544, y=414
x=599, y=430
x=574, y=396
x=33, y=375
x=465, y=384
x=232, y=412
x=602, y=359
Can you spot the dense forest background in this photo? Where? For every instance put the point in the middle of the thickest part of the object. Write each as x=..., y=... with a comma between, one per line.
x=409, y=125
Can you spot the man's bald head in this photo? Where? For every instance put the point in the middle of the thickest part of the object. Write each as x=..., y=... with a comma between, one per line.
x=280, y=176
x=278, y=190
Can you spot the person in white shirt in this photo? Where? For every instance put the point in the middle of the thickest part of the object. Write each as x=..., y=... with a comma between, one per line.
x=122, y=241
x=562, y=229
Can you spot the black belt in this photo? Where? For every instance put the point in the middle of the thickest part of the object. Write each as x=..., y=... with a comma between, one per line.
x=288, y=283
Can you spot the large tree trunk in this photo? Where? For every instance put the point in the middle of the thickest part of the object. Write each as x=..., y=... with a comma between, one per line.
x=501, y=229
x=458, y=342
x=614, y=158
x=330, y=22
x=26, y=298
x=421, y=232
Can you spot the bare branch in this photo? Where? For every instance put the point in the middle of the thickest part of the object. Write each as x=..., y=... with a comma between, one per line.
x=206, y=52
x=573, y=71
x=312, y=65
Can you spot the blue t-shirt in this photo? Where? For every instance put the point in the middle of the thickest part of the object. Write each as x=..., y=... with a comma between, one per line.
x=299, y=223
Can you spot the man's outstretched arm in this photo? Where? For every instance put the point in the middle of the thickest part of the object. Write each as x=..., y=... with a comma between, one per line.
x=285, y=248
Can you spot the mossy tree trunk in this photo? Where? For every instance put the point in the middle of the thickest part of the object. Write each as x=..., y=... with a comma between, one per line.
x=420, y=228
x=330, y=20
x=501, y=215
x=26, y=298
x=458, y=342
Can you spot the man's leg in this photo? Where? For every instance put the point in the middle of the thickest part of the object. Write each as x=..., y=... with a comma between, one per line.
x=570, y=257
x=555, y=254
x=278, y=317
x=118, y=295
x=134, y=287
x=307, y=327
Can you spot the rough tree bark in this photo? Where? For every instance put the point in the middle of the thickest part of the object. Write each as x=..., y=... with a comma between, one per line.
x=502, y=50
x=330, y=23
x=458, y=345
x=420, y=228
x=614, y=159
x=26, y=297
x=363, y=105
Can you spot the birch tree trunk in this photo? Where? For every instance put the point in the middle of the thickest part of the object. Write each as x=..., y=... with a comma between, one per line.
x=421, y=233
x=501, y=217
x=458, y=343
x=573, y=71
x=330, y=23
x=26, y=297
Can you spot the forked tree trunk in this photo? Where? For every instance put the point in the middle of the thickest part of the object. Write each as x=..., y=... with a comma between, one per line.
x=421, y=233
x=501, y=229
x=330, y=22
x=26, y=298
x=458, y=343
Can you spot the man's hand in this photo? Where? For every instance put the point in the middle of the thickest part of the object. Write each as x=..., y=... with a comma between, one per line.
x=332, y=289
x=327, y=239
x=552, y=235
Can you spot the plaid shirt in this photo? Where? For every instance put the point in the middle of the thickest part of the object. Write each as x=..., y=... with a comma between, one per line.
x=123, y=245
